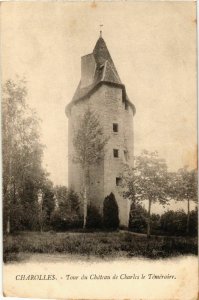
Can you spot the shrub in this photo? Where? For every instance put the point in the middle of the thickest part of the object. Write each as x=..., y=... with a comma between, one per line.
x=155, y=221
x=93, y=220
x=69, y=222
x=67, y=213
x=193, y=225
x=17, y=223
x=174, y=222
x=74, y=201
x=110, y=213
x=138, y=218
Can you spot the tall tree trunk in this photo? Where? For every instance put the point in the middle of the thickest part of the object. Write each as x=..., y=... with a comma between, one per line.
x=10, y=180
x=149, y=220
x=8, y=224
x=188, y=216
x=41, y=219
x=85, y=196
x=8, y=210
x=85, y=206
x=14, y=193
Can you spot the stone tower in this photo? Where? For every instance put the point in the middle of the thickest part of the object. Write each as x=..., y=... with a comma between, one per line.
x=101, y=90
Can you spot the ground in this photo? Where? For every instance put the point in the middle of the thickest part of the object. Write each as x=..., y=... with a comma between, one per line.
x=97, y=245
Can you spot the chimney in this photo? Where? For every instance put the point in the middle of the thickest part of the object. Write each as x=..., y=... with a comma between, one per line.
x=88, y=66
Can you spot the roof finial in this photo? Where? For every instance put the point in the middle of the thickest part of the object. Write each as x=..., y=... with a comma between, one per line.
x=101, y=25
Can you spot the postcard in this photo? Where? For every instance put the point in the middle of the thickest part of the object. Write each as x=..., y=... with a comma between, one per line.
x=99, y=149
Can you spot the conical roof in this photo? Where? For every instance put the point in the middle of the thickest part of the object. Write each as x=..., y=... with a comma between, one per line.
x=101, y=52
x=102, y=55
x=105, y=73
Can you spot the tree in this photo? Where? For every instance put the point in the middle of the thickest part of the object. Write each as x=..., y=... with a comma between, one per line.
x=110, y=212
x=89, y=142
x=193, y=226
x=67, y=211
x=147, y=181
x=48, y=203
x=73, y=202
x=94, y=219
x=67, y=201
x=22, y=153
x=185, y=189
x=61, y=198
x=137, y=218
x=173, y=222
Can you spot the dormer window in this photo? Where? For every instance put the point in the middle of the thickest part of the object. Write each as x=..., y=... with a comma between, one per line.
x=115, y=127
x=115, y=152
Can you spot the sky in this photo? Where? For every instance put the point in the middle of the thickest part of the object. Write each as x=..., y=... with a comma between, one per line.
x=153, y=46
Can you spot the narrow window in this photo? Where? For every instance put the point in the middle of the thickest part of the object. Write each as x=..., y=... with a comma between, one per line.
x=118, y=181
x=115, y=152
x=115, y=127
x=126, y=105
x=126, y=155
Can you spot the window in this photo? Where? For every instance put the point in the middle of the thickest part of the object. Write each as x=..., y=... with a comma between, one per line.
x=115, y=127
x=115, y=152
x=118, y=181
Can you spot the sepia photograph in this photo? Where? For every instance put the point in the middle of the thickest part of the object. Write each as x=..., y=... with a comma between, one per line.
x=99, y=150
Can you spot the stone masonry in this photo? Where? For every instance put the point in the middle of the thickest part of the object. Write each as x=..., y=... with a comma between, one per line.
x=101, y=90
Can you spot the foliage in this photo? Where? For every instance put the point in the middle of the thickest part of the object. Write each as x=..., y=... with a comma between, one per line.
x=175, y=222
x=137, y=218
x=89, y=142
x=48, y=203
x=147, y=181
x=67, y=201
x=185, y=186
x=193, y=226
x=94, y=219
x=62, y=224
x=185, y=189
x=20, y=222
x=61, y=198
x=155, y=222
x=101, y=244
x=110, y=213
x=67, y=212
x=22, y=157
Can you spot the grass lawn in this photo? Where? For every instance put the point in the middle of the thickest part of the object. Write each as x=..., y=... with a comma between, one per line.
x=98, y=244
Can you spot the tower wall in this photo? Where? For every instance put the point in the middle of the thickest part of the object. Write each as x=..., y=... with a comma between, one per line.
x=107, y=102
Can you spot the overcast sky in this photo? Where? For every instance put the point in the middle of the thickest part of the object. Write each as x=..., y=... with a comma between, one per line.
x=153, y=46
